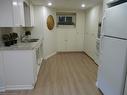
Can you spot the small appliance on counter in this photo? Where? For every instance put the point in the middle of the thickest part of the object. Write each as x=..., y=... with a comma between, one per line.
x=9, y=39
x=28, y=34
x=25, y=36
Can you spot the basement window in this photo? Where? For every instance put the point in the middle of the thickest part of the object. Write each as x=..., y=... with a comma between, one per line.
x=66, y=19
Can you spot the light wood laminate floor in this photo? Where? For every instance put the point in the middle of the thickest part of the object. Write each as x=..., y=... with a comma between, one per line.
x=65, y=74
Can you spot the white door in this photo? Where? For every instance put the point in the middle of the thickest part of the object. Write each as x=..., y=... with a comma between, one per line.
x=115, y=22
x=113, y=60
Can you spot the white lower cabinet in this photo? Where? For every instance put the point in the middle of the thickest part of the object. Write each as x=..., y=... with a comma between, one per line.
x=69, y=40
x=2, y=82
x=21, y=68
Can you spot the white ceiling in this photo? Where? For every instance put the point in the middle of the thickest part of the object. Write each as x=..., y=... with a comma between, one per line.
x=67, y=4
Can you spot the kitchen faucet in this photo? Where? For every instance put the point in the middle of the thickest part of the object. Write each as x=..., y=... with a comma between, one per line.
x=22, y=35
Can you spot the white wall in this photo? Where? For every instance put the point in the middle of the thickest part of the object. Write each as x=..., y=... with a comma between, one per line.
x=93, y=16
x=73, y=35
x=50, y=43
x=41, y=31
x=80, y=28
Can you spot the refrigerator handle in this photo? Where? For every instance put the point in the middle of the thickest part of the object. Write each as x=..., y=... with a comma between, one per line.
x=103, y=21
x=101, y=43
x=102, y=29
x=125, y=78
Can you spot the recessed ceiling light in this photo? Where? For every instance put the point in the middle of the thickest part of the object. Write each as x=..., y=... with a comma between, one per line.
x=49, y=4
x=14, y=3
x=83, y=5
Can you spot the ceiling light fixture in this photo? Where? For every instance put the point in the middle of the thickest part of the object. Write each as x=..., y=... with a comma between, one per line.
x=83, y=5
x=49, y=4
x=14, y=3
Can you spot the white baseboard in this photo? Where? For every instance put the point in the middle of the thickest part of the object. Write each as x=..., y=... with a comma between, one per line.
x=50, y=55
x=90, y=57
x=70, y=51
x=85, y=52
x=2, y=89
x=19, y=87
x=97, y=84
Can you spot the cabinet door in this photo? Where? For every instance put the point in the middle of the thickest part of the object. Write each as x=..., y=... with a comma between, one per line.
x=74, y=40
x=61, y=40
x=125, y=90
x=79, y=41
x=32, y=15
x=6, y=13
x=2, y=80
x=18, y=13
x=69, y=40
x=27, y=15
x=12, y=14
x=35, y=65
x=21, y=12
x=112, y=69
x=18, y=68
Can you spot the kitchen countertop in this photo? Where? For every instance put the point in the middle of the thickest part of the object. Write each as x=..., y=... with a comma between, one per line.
x=21, y=46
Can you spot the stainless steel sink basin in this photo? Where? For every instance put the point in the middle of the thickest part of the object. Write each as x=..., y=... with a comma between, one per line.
x=30, y=40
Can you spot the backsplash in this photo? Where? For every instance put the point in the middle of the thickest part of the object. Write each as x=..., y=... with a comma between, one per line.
x=18, y=30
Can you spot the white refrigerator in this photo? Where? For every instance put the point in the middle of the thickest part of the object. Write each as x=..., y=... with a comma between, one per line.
x=113, y=51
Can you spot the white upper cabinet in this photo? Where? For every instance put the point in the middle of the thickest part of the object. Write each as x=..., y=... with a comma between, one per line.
x=32, y=15
x=18, y=13
x=6, y=13
x=28, y=14
x=15, y=13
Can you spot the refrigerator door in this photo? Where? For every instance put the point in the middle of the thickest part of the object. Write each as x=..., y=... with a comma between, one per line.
x=125, y=90
x=115, y=21
x=112, y=70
